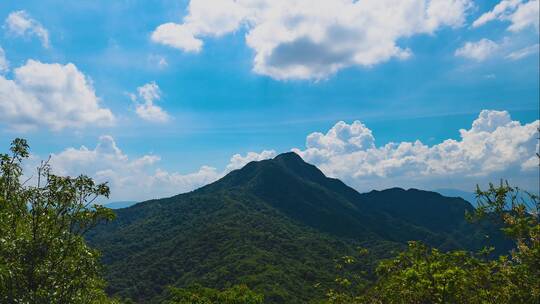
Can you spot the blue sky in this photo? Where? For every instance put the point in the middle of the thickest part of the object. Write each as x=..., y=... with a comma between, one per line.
x=218, y=102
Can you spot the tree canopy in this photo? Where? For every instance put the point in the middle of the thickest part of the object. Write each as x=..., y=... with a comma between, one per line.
x=238, y=294
x=43, y=255
x=426, y=275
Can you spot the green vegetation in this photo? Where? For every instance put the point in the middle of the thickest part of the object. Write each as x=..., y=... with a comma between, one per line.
x=268, y=233
x=427, y=275
x=43, y=256
x=217, y=241
x=275, y=226
x=197, y=294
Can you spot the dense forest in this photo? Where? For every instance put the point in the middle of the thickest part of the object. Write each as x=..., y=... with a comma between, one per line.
x=275, y=231
x=275, y=225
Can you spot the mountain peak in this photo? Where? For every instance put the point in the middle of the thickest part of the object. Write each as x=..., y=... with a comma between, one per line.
x=289, y=156
x=294, y=164
x=283, y=166
x=273, y=209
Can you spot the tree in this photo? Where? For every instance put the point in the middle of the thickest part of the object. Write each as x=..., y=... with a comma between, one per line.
x=427, y=275
x=43, y=256
x=238, y=294
x=519, y=213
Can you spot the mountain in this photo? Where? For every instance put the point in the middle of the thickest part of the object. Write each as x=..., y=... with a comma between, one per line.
x=468, y=196
x=120, y=204
x=276, y=225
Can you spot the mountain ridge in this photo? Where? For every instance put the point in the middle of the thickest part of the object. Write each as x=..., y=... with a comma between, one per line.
x=277, y=220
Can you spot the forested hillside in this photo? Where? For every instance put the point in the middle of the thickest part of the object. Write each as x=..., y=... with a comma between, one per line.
x=276, y=225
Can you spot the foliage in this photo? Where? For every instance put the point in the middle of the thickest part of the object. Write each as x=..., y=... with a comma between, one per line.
x=43, y=256
x=519, y=211
x=238, y=294
x=276, y=226
x=216, y=240
x=426, y=275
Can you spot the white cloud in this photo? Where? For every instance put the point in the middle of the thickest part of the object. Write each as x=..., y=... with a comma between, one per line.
x=147, y=110
x=498, y=11
x=139, y=178
x=176, y=36
x=494, y=147
x=524, y=52
x=479, y=50
x=312, y=39
x=343, y=137
x=521, y=14
x=526, y=15
x=20, y=23
x=238, y=161
x=4, y=63
x=53, y=95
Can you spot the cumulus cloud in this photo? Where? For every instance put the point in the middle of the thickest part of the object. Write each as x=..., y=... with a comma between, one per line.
x=20, y=23
x=4, y=63
x=524, y=52
x=494, y=147
x=520, y=14
x=53, y=95
x=308, y=39
x=144, y=103
x=479, y=50
x=140, y=177
x=176, y=36
x=238, y=161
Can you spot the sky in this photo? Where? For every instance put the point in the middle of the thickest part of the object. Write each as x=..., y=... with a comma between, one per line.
x=161, y=97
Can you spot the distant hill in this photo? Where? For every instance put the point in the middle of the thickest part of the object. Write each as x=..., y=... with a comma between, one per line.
x=468, y=196
x=120, y=204
x=275, y=225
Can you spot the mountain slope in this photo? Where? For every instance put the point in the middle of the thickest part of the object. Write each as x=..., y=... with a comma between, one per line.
x=214, y=240
x=120, y=204
x=276, y=225
x=468, y=196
